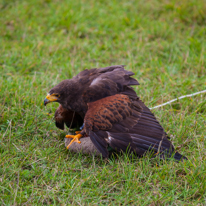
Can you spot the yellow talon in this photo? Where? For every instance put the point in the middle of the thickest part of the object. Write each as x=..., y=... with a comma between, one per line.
x=75, y=139
x=77, y=132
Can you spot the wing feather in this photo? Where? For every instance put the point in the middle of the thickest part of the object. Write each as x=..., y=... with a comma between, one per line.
x=99, y=143
x=129, y=125
x=106, y=82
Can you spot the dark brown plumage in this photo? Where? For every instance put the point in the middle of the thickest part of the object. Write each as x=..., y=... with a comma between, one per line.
x=112, y=112
x=70, y=118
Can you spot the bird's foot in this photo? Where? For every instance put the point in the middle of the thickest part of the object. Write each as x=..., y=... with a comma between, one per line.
x=75, y=139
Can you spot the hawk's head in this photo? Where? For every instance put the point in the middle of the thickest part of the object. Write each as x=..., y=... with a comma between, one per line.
x=60, y=92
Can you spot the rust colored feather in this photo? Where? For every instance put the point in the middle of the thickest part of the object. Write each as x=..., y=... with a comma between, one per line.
x=105, y=112
x=129, y=126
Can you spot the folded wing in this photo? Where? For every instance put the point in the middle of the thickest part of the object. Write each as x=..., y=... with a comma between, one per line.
x=126, y=124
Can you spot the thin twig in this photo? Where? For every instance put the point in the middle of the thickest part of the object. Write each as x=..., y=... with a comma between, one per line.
x=160, y=144
x=188, y=95
x=72, y=121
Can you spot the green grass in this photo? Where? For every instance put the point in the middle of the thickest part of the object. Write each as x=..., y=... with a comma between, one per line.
x=43, y=42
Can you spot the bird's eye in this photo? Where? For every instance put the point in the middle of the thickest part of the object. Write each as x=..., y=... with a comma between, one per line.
x=56, y=95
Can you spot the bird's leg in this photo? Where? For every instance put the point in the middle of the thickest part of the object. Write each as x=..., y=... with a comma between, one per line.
x=82, y=127
x=76, y=137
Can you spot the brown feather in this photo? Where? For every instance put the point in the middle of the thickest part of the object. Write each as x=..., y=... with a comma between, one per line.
x=63, y=116
x=129, y=125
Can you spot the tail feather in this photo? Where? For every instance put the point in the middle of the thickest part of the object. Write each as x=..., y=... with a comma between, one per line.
x=179, y=157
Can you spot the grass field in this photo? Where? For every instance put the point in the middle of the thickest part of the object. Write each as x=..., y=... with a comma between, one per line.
x=45, y=41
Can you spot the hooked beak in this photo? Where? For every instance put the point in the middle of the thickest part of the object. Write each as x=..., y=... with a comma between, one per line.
x=50, y=98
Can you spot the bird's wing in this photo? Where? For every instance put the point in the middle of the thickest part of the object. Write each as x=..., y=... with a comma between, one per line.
x=125, y=124
x=103, y=82
x=63, y=116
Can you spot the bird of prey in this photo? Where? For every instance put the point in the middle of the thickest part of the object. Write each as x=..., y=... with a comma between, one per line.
x=111, y=113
